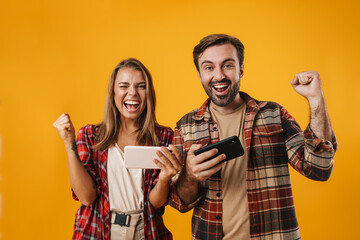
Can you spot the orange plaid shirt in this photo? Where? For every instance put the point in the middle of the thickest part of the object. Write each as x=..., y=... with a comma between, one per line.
x=273, y=140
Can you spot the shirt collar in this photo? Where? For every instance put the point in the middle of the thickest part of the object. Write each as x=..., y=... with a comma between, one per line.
x=252, y=105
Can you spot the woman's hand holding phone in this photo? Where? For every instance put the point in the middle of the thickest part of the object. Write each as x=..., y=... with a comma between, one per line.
x=171, y=163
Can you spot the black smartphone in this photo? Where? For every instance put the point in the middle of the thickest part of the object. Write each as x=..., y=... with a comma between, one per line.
x=230, y=146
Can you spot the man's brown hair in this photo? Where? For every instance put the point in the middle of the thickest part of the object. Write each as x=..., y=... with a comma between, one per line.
x=217, y=39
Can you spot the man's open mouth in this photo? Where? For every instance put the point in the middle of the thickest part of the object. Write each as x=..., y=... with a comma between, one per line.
x=221, y=88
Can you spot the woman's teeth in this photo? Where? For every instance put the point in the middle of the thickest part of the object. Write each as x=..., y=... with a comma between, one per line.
x=131, y=104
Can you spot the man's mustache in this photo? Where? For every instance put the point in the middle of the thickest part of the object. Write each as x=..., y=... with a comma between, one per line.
x=225, y=80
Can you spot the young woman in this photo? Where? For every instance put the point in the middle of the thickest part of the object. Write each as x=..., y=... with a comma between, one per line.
x=120, y=203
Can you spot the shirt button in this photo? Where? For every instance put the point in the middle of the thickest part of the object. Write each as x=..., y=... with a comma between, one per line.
x=218, y=217
x=218, y=194
x=215, y=129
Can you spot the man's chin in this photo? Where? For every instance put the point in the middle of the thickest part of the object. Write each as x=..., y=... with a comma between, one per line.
x=220, y=101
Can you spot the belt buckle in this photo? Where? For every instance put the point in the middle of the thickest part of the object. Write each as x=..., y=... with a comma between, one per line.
x=122, y=219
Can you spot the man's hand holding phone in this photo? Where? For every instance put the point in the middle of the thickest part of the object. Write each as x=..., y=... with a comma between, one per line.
x=215, y=154
x=197, y=169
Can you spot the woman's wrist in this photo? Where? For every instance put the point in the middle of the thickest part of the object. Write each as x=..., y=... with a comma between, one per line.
x=69, y=144
x=164, y=182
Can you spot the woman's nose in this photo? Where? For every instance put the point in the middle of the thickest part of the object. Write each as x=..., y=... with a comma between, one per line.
x=132, y=90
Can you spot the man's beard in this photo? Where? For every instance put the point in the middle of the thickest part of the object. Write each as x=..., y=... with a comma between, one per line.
x=225, y=100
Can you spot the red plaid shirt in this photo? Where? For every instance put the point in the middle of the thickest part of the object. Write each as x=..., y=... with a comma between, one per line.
x=273, y=140
x=93, y=222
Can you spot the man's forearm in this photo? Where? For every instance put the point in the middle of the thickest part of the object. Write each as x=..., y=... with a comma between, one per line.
x=319, y=119
x=187, y=189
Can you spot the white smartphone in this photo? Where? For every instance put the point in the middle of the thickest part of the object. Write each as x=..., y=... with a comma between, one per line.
x=141, y=157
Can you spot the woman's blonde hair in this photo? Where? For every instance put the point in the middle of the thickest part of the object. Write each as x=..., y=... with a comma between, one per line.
x=108, y=130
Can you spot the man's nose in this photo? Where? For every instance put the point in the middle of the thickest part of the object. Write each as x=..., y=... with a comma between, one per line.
x=219, y=74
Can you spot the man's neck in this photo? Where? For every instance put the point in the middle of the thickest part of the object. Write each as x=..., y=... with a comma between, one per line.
x=236, y=103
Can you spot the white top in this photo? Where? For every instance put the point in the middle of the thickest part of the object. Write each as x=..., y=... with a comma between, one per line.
x=125, y=185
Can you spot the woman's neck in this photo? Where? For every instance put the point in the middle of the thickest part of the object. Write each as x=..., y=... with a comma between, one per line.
x=128, y=134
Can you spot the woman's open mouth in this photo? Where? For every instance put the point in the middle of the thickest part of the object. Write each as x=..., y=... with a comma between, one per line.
x=131, y=105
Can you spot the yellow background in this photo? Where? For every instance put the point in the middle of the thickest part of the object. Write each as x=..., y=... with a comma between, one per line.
x=56, y=56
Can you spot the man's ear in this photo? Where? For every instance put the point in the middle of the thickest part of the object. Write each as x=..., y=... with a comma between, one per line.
x=241, y=71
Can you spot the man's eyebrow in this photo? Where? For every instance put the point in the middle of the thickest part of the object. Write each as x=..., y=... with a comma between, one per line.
x=226, y=60
x=206, y=61
x=229, y=59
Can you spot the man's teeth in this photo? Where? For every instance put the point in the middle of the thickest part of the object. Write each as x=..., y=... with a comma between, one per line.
x=220, y=86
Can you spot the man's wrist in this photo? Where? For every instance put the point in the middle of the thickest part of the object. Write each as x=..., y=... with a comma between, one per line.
x=316, y=102
x=187, y=181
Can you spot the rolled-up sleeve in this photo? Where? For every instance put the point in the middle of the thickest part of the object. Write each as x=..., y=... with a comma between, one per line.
x=309, y=155
x=85, y=142
x=174, y=199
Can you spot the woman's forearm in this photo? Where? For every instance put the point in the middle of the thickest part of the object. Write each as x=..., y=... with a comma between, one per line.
x=80, y=180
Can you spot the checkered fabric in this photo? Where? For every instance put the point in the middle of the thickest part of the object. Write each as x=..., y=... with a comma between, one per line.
x=273, y=140
x=93, y=222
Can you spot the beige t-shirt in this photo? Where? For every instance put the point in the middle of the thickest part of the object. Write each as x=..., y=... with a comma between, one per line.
x=125, y=185
x=233, y=176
